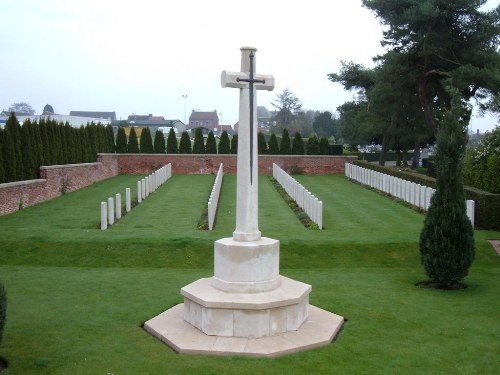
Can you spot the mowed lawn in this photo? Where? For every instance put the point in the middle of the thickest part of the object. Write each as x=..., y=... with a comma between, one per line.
x=77, y=296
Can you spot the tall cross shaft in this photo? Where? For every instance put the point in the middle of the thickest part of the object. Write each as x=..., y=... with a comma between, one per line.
x=247, y=163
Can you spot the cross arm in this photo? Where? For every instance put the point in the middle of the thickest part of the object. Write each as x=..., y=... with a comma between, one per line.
x=240, y=80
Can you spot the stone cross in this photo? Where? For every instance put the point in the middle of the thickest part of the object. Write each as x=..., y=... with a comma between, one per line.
x=247, y=160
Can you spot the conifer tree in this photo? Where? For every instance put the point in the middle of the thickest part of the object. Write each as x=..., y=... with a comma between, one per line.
x=199, y=143
x=121, y=141
x=211, y=146
x=234, y=144
x=159, y=142
x=110, y=139
x=185, y=143
x=273, y=148
x=285, y=146
x=172, y=146
x=69, y=144
x=29, y=170
x=447, y=238
x=224, y=144
x=261, y=143
x=2, y=169
x=44, y=141
x=146, y=141
x=323, y=146
x=298, y=145
x=12, y=150
x=91, y=131
x=312, y=147
x=132, y=145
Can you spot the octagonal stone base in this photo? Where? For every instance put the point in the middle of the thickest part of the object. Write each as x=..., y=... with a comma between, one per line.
x=319, y=329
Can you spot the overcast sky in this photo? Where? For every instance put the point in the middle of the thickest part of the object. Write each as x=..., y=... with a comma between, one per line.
x=142, y=56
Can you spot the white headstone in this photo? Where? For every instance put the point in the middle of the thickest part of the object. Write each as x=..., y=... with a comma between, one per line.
x=104, y=216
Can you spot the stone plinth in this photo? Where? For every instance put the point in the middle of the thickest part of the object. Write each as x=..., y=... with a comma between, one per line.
x=251, y=315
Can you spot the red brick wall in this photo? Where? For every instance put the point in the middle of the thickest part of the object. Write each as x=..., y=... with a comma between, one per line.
x=55, y=179
x=71, y=177
x=194, y=164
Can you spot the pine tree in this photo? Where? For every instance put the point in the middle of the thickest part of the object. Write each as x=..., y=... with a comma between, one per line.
x=261, y=143
x=90, y=129
x=285, y=146
x=121, y=141
x=29, y=171
x=69, y=144
x=110, y=139
x=224, y=144
x=199, y=143
x=172, y=146
x=273, y=148
x=298, y=145
x=234, y=144
x=12, y=150
x=159, y=143
x=447, y=238
x=146, y=141
x=312, y=147
x=185, y=143
x=132, y=146
x=44, y=141
x=2, y=169
x=211, y=146
x=323, y=146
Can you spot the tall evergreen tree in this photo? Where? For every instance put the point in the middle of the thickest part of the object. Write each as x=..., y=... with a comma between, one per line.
x=312, y=147
x=69, y=144
x=146, y=141
x=224, y=143
x=285, y=145
x=159, y=143
x=323, y=146
x=2, y=169
x=298, y=145
x=110, y=139
x=273, y=148
x=199, y=143
x=261, y=143
x=29, y=170
x=447, y=238
x=234, y=144
x=211, y=146
x=132, y=145
x=91, y=131
x=12, y=150
x=44, y=140
x=172, y=146
x=185, y=143
x=121, y=141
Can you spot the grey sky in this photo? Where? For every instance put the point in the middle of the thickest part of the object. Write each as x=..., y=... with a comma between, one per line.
x=142, y=56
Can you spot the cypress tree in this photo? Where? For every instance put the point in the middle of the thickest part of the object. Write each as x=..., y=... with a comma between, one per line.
x=261, y=143
x=44, y=140
x=2, y=169
x=132, y=146
x=121, y=141
x=29, y=170
x=110, y=139
x=70, y=152
x=211, y=146
x=91, y=131
x=159, y=143
x=185, y=143
x=273, y=148
x=199, y=143
x=285, y=145
x=312, y=147
x=57, y=149
x=12, y=150
x=146, y=141
x=234, y=144
x=224, y=144
x=298, y=145
x=447, y=238
x=323, y=146
x=172, y=146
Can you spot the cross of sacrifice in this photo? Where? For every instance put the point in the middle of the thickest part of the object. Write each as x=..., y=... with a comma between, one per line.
x=247, y=187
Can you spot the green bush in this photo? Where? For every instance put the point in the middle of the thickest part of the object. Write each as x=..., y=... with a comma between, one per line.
x=224, y=144
x=3, y=309
x=199, y=142
x=172, y=146
x=185, y=143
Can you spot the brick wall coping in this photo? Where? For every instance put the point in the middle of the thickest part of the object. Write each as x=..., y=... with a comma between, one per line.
x=81, y=165
x=20, y=183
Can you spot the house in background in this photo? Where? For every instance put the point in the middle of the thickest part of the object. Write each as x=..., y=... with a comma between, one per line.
x=154, y=123
x=207, y=121
x=109, y=116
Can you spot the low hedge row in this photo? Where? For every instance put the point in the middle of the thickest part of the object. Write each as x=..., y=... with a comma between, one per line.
x=487, y=205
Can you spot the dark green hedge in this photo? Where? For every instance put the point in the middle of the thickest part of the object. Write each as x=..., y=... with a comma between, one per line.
x=487, y=205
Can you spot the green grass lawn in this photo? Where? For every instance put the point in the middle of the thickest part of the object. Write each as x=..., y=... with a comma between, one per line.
x=77, y=296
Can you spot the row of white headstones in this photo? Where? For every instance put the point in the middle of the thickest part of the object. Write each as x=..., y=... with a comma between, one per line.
x=111, y=210
x=410, y=192
x=311, y=205
x=213, y=200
